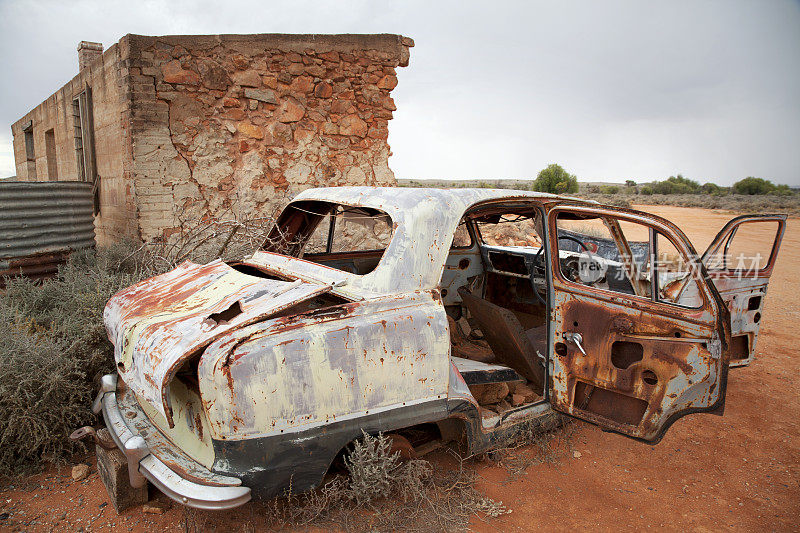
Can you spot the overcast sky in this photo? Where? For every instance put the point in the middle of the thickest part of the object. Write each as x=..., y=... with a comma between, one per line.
x=610, y=90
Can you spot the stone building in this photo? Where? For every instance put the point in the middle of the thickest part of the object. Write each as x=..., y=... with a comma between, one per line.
x=181, y=129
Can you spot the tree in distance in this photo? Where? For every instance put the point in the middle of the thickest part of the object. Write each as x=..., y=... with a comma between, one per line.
x=554, y=179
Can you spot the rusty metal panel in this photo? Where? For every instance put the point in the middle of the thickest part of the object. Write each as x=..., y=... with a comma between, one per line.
x=158, y=323
x=299, y=372
x=680, y=368
x=41, y=223
x=745, y=318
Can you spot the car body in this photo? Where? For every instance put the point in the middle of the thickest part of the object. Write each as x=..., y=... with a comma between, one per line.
x=250, y=377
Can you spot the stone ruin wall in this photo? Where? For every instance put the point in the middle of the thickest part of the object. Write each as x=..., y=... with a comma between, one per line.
x=229, y=127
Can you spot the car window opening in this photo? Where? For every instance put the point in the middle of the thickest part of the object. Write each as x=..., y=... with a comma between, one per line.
x=348, y=238
x=495, y=291
x=620, y=256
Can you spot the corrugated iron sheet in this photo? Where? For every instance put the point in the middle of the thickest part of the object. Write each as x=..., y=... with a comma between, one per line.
x=41, y=223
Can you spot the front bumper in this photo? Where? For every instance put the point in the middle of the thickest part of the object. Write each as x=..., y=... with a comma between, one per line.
x=144, y=466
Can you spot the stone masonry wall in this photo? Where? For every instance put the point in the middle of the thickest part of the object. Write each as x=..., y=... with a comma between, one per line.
x=233, y=126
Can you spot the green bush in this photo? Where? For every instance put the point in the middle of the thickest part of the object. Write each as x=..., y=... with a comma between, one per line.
x=711, y=188
x=554, y=179
x=753, y=186
x=676, y=185
x=609, y=189
x=647, y=190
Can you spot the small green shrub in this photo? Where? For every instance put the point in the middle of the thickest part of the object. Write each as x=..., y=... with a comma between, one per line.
x=753, y=186
x=554, y=179
x=711, y=188
x=676, y=185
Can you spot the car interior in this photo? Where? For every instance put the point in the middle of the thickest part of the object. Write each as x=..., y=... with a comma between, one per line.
x=494, y=287
x=494, y=291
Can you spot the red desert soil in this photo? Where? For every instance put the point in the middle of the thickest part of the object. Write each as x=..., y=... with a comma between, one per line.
x=738, y=472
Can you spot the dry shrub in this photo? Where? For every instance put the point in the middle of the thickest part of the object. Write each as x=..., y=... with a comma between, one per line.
x=42, y=395
x=537, y=442
x=371, y=468
x=54, y=346
x=51, y=353
x=229, y=239
x=383, y=494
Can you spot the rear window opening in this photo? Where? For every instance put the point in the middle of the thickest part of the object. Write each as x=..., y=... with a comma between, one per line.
x=348, y=238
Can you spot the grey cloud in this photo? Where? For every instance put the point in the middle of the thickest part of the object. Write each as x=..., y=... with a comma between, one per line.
x=611, y=90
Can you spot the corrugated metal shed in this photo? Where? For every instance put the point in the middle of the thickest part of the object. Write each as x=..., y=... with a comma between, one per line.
x=41, y=223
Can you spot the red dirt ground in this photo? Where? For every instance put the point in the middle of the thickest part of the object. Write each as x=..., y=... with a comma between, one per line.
x=739, y=472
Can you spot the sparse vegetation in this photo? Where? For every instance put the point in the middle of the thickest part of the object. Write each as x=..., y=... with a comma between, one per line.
x=51, y=353
x=750, y=195
x=734, y=203
x=535, y=444
x=54, y=346
x=410, y=497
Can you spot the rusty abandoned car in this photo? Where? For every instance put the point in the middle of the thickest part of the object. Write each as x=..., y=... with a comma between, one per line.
x=469, y=312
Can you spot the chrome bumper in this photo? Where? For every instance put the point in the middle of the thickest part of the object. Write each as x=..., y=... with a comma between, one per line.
x=144, y=466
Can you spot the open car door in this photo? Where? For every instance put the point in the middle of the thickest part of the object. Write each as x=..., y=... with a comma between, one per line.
x=627, y=353
x=740, y=260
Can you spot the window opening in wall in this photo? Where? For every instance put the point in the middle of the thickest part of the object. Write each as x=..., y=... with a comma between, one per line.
x=84, y=135
x=50, y=151
x=76, y=113
x=30, y=152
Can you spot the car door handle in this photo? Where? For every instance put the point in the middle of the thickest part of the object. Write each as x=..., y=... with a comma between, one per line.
x=576, y=339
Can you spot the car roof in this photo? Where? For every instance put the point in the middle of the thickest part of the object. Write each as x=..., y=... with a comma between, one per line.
x=424, y=220
x=407, y=197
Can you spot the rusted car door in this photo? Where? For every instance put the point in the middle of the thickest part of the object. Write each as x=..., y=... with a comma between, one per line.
x=623, y=357
x=740, y=260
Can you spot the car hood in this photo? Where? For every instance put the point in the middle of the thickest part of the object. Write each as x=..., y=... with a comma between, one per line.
x=159, y=323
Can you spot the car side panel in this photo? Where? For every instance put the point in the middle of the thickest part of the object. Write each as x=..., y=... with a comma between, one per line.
x=297, y=461
x=300, y=372
x=739, y=295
